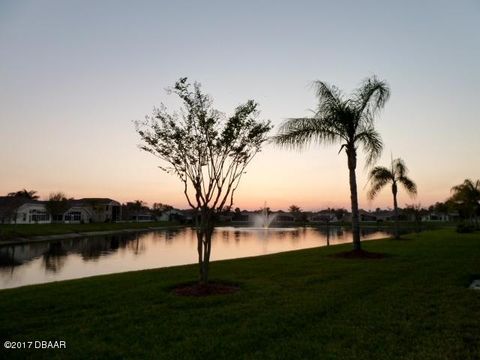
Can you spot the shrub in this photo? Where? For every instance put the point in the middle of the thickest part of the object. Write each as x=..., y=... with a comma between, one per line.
x=465, y=228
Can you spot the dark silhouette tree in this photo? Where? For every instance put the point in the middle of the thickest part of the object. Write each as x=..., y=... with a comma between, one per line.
x=139, y=206
x=209, y=153
x=57, y=204
x=345, y=121
x=415, y=211
x=467, y=198
x=397, y=175
x=27, y=194
x=158, y=209
x=294, y=209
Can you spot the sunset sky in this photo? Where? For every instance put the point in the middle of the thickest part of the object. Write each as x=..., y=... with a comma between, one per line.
x=75, y=74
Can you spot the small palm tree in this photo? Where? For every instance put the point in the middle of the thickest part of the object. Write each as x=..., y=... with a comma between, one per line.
x=381, y=176
x=468, y=195
x=345, y=121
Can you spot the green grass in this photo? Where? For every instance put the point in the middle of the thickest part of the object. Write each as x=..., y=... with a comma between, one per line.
x=8, y=231
x=413, y=304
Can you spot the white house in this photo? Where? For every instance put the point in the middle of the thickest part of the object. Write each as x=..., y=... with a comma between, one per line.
x=17, y=210
x=436, y=217
x=93, y=210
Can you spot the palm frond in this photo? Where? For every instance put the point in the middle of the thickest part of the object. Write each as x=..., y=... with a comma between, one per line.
x=328, y=95
x=399, y=167
x=299, y=132
x=371, y=142
x=371, y=96
x=378, y=178
x=408, y=184
x=468, y=191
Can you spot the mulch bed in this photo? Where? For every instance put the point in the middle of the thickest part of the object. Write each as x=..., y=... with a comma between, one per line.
x=359, y=254
x=205, y=289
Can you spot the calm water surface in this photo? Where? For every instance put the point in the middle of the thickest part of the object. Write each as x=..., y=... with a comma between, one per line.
x=76, y=258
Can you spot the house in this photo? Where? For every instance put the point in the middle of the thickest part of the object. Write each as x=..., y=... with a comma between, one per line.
x=385, y=215
x=19, y=210
x=433, y=216
x=92, y=210
x=363, y=216
x=281, y=217
x=87, y=210
x=241, y=216
x=323, y=217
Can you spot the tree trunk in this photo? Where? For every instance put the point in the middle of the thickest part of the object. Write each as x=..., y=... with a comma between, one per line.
x=204, y=228
x=200, y=236
x=352, y=165
x=395, y=211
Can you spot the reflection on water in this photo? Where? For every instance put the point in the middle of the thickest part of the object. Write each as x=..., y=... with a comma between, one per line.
x=75, y=258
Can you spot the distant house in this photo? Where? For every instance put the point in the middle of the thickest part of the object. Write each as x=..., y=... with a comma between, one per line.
x=363, y=216
x=323, y=217
x=432, y=216
x=385, y=215
x=282, y=217
x=18, y=210
x=172, y=215
x=93, y=210
x=142, y=217
x=25, y=211
x=241, y=217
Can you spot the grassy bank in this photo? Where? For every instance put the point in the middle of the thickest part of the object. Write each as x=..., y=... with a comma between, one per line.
x=413, y=304
x=9, y=231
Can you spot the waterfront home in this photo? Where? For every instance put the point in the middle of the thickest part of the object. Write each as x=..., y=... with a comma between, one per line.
x=92, y=210
x=19, y=210
x=323, y=217
x=172, y=215
x=440, y=216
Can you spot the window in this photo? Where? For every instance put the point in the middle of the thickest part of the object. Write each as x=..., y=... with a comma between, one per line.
x=73, y=216
x=38, y=215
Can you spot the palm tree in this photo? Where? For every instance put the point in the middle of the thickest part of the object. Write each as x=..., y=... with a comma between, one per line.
x=381, y=176
x=31, y=195
x=345, y=121
x=468, y=195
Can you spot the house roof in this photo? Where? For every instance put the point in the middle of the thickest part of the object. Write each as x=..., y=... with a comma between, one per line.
x=90, y=201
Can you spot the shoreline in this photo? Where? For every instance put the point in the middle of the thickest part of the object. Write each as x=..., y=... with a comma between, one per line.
x=54, y=237
x=19, y=240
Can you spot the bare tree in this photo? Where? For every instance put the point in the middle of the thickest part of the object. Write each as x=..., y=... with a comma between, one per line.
x=57, y=204
x=208, y=151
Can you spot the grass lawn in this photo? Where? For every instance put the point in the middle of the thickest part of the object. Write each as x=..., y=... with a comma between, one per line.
x=8, y=231
x=413, y=304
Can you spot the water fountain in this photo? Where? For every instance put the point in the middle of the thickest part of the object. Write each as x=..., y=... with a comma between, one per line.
x=264, y=219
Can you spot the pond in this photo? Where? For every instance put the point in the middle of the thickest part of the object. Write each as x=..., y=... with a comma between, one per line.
x=42, y=262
